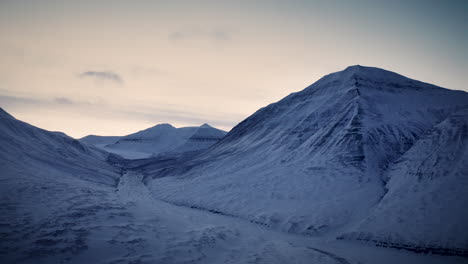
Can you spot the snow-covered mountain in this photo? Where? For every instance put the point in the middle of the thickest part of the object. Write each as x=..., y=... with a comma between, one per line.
x=321, y=160
x=157, y=140
x=27, y=148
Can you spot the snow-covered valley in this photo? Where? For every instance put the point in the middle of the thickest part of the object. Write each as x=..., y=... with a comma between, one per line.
x=363, y=166
x=72, y=221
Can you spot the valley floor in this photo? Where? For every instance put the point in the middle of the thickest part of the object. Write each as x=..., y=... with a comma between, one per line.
x=47, y=219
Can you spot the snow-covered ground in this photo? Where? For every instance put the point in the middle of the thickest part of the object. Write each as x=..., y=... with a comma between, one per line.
x=46, y=218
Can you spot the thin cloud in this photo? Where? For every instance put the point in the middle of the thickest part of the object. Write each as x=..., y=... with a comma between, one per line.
x=63, y=100
x=197, y=33
x=7, y=100
x=102, y=75
x=15, y=101
x=221, y=34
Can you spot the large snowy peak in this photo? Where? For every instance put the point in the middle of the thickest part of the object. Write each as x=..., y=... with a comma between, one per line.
x=29, y=149
x=315, y=161
x=361, y=117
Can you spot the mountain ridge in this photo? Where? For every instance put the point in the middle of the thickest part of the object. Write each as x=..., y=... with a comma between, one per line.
x=157, y=140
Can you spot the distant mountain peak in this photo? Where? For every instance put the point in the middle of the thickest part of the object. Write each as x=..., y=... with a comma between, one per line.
x=164, y=125
x=206, y=126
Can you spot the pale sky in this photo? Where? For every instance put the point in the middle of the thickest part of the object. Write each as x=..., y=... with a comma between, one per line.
x=116, y=67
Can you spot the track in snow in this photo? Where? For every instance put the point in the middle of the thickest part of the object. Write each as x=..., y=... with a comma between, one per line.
x=331, y=255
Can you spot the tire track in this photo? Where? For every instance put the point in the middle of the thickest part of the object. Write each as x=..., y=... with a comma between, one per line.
x=331, y=255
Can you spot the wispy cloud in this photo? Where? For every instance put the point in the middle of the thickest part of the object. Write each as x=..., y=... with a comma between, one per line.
x=19, y=101
x=63, y=100
x=217, y=34
x=102, y=75
x=10, y=100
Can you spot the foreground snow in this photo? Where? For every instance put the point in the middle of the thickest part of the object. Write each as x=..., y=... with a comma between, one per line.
x=51, y=219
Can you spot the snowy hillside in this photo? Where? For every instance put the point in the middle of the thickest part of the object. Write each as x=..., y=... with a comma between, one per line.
x=425, y=206
x=315, y=162
x=27, y=148
x=157, y=140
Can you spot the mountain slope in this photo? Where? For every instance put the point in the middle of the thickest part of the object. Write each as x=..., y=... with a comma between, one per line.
x=160, y=139
x=27, y=148
x=427, y=189
x=315, y=161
